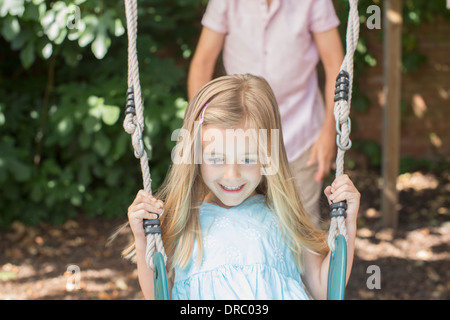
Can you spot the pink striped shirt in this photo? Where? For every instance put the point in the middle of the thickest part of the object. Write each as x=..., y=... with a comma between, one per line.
x=277, y=43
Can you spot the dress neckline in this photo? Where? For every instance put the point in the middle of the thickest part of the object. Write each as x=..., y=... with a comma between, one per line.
x=246, y=201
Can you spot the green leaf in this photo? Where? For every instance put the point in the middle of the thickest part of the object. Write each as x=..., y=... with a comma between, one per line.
x=31, y=12
x=65, y=126
x=76, y=200
x=118, y=28
x=14, y=8
x=86, y=37
x=37, y=2
x=91, y=125
x=61, y=36
x=96, y=104
x=20, y=171
x=47, y=51
x=102, y=144
x=110, y=114
x=101, y=43
x=21, y=39
x=53, y=32
x=47, y=20
x=11, y=28
x=27, y=55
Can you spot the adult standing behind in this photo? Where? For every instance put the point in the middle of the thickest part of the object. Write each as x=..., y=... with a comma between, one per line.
x=282, y=41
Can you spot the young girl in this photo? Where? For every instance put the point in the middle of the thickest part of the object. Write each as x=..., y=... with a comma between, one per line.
x=233, y=226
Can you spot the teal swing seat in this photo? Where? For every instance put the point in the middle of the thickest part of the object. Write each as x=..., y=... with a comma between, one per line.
x=337, y=271
x=160, y=278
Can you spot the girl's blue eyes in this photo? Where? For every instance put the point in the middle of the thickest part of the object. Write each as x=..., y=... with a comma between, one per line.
x=216, y=160
x=249, y=161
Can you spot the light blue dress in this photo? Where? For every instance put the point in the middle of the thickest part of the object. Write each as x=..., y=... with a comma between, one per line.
x=244, y=257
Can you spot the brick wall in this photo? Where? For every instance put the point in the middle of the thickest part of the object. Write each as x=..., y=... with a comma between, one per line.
x=425, y=124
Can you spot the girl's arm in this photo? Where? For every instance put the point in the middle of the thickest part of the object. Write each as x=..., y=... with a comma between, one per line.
x=141, y=208
x=316, y=267
x=145, y=274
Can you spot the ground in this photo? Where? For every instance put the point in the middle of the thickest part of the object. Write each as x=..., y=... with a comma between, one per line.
x=73, y=260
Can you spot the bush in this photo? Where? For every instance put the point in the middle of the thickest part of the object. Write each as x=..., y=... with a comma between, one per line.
x=62, y=94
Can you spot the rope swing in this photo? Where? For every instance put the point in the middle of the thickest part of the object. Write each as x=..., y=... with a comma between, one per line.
x=337, y=236
x=133, y=124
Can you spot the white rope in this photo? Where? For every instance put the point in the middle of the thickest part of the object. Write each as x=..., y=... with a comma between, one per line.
x=134, y=124
x=342, y=112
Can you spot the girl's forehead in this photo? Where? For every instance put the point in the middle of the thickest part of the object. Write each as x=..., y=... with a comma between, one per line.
x=242, y=129
x=244, y=125
x=222, y=138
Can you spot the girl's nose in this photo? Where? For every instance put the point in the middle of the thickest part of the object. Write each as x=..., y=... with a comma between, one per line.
x=232, y=171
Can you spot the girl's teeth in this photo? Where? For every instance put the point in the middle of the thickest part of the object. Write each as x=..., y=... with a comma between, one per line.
x=231, y=188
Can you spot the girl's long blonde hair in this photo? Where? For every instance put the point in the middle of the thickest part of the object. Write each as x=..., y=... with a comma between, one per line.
x=231, y=99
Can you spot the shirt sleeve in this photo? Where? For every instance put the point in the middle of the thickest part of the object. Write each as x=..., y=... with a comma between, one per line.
x=216, y=16
x=322, y=16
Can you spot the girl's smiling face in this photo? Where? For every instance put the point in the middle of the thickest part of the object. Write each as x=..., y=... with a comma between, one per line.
x=230, y=166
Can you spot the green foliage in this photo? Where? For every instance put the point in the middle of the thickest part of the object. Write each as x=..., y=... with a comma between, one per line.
x=371, y=149
x=62, y=94
x=408, y=164
x=416, y=12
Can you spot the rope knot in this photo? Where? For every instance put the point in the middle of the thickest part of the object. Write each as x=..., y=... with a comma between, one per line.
x=130, y=112
x=342, y=86
x=342, y=110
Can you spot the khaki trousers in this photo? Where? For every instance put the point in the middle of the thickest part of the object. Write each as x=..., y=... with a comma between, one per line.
x=308, y=189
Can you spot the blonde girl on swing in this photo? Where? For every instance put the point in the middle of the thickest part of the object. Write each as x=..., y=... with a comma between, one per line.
x=232, y=223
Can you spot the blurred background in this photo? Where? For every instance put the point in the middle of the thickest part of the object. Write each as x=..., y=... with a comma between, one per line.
x=68, y=173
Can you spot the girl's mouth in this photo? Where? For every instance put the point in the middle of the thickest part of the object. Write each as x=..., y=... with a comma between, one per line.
x=232, y=189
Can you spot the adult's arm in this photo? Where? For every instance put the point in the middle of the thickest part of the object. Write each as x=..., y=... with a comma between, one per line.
x=331, y=54
x=204, y=60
